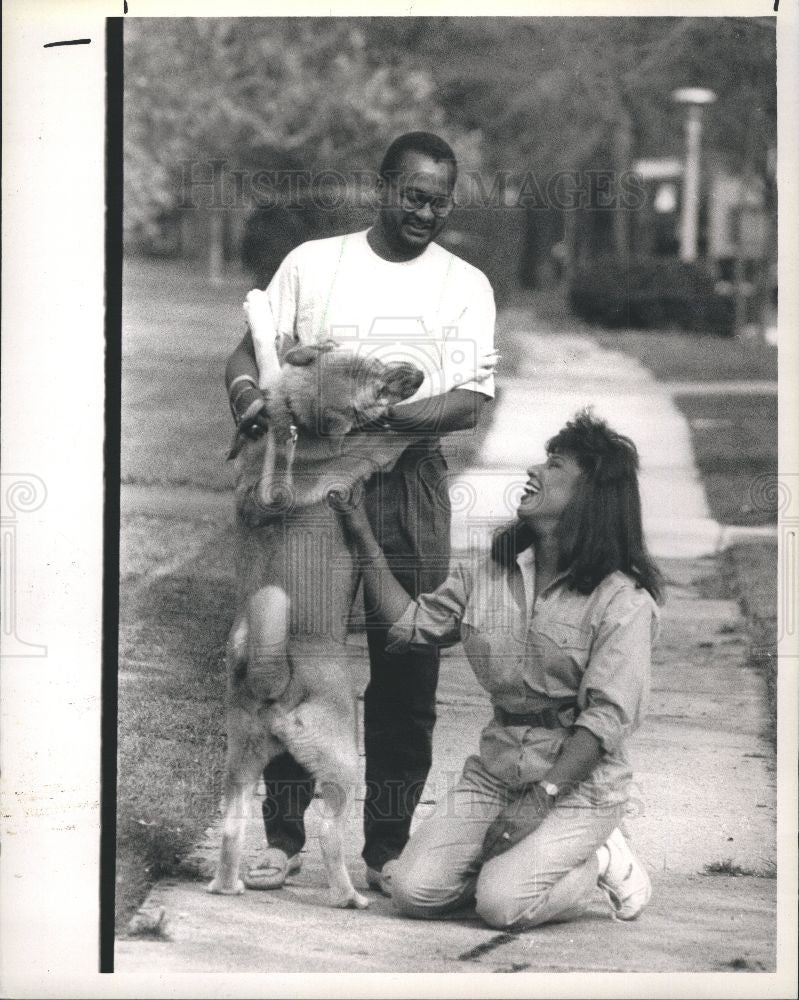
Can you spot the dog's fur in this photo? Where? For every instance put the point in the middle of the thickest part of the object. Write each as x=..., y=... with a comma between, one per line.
x=289, y=687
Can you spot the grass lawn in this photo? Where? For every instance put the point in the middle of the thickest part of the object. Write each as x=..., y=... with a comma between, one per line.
x=176, y=588
x=173, y=627
x=755, y=568
x=177, y=334
x=735, y=444
x=685, y=357
x=748, y=574
x=670, y=355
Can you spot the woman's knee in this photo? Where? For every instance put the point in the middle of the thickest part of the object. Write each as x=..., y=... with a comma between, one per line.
x=497, y=909
x=497, y=899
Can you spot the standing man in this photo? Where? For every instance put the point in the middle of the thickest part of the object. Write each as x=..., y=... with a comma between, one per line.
x=390, y=290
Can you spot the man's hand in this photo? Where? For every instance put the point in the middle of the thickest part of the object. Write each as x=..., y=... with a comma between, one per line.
x=487, y=365
x=249, y=408
x=484, y=367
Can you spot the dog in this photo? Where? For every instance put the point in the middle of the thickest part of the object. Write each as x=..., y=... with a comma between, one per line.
x=288, y=682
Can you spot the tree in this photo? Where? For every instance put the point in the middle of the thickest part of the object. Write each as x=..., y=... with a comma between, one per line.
x=513, y=94
x=247, y=92
x=547, y=92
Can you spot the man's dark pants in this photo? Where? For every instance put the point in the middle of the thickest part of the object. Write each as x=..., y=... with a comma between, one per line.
x=409, y=511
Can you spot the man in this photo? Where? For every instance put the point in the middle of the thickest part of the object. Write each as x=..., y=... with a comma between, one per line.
x=393, y=291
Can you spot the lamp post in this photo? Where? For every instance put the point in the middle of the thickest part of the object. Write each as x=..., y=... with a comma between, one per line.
x=694, y=98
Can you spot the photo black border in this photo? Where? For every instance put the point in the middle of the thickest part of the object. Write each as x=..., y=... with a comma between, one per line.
x=111, y=484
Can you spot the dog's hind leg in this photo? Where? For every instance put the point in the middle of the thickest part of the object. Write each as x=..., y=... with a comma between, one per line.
x=336, y=774
x=246, y=755
x=240, y=778
x=321, y=737
x=338, y=796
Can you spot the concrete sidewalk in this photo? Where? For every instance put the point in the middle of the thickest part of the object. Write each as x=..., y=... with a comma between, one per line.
x=557, y=375
x=705, y=793
x=705, y=772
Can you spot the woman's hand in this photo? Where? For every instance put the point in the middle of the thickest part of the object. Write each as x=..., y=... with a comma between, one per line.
x=351, y=511
x=579, y=755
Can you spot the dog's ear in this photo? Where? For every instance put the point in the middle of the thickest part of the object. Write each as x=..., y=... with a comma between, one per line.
x=306, y=354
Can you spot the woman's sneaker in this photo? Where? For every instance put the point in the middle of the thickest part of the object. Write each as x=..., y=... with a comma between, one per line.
x=624, y=882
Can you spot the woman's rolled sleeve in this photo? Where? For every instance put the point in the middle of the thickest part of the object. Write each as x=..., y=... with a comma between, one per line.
x=433, y=619
x=614, y=690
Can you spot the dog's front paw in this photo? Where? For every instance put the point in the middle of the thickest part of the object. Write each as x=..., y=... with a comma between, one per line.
x=219, y=889
x=350, y=901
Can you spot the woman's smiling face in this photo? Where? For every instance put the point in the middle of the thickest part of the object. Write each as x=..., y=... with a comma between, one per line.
x=551, y=486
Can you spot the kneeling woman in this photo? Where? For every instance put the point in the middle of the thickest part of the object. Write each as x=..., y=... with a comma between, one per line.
x=557, y=624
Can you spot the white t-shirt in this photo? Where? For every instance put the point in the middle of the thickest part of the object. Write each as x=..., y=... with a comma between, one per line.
x=436, y=310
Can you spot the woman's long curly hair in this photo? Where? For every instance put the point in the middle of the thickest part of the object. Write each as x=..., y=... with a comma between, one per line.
x=600, y=531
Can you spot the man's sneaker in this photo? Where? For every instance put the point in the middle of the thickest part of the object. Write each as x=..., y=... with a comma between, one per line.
x=380, y=880
x=625, y=882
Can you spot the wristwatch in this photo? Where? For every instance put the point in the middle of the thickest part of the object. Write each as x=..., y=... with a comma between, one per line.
x=550, y=788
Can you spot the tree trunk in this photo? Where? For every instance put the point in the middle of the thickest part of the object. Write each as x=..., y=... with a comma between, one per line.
x=186, y=234
x=622, y=162
x=570, y=246
x=739, y=294
x=769, y=261
x=216, y=246
x=739, y=280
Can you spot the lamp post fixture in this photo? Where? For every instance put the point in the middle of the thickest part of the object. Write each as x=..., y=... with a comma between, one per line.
x=694, y=98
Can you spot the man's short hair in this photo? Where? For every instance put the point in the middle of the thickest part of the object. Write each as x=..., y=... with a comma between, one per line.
x=426, y=143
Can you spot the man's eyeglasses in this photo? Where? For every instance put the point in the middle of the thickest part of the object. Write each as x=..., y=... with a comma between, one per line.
x=412, y=199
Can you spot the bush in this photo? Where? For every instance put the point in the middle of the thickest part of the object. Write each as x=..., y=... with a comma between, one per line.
x=269, y=234
x=650, y=292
